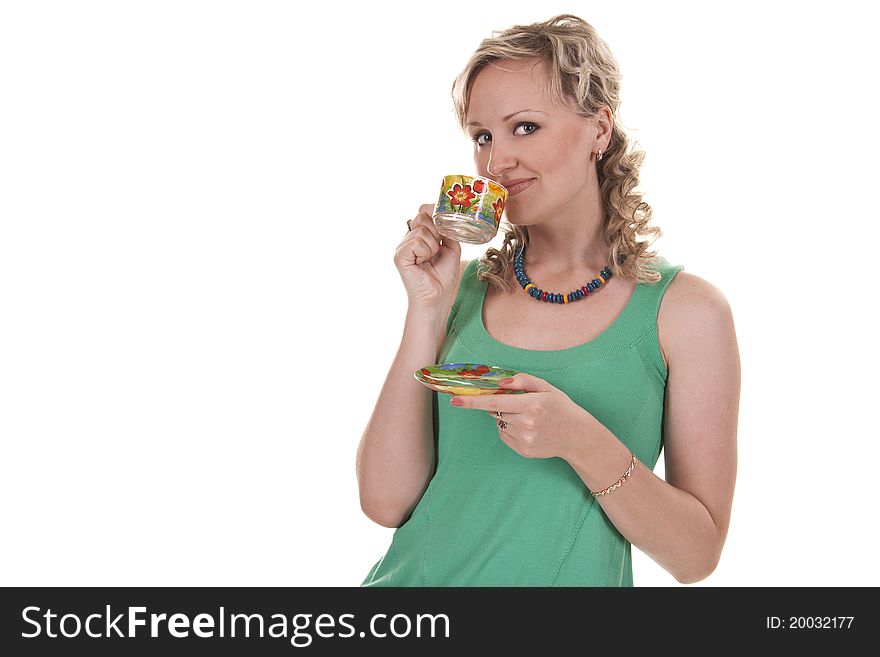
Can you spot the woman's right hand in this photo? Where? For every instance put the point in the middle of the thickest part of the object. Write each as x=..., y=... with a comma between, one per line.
x=428, y=263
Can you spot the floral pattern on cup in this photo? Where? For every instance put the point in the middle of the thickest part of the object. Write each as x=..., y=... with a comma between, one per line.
x=462, y=196
x=498, y=206
x=469, y=196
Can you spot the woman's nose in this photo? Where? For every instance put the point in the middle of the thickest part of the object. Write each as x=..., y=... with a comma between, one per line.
x=500, y=159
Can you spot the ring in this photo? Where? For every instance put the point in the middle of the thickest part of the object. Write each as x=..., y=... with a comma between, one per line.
x=498, y=414
x=408, y=226
x=502, y=424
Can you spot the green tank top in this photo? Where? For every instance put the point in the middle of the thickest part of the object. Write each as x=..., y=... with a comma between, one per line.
x=491, y=517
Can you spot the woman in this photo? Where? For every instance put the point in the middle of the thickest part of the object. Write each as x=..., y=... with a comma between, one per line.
x=552, y=487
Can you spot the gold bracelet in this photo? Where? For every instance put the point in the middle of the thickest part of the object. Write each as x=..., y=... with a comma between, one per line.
x=619, y=482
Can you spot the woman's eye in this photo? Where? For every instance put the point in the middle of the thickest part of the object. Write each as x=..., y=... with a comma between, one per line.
x=530, y=125
x=479, y=136
x=531, y=128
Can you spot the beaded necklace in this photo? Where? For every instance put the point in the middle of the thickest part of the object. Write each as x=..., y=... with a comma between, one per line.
x=553, y=297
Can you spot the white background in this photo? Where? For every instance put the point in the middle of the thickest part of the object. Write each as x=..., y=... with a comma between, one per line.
x=200, y=204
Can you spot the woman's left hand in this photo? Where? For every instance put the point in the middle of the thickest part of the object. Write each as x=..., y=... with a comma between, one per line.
x=542, y=423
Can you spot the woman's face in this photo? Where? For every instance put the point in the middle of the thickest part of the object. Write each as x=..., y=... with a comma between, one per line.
x=520, y=133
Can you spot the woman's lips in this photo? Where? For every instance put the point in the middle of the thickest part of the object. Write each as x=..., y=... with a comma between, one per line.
x=515, y=188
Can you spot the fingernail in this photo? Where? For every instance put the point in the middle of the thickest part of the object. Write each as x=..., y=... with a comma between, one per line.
x=455, y=401
x=505, y=382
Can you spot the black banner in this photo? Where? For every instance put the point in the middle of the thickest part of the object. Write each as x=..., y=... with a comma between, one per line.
x=257, y=621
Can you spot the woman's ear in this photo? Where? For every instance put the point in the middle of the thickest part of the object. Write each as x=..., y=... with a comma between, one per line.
x=604, y=125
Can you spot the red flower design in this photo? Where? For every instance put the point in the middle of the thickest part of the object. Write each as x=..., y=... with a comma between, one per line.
x=479, y=186
x=461, y=195
x=474, y=373
x=498, y=206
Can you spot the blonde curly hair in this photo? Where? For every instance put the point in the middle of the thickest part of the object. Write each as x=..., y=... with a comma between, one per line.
x=583, y=74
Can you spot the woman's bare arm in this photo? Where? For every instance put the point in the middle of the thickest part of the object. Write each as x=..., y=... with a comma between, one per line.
x=682, y=522
x=396, y=455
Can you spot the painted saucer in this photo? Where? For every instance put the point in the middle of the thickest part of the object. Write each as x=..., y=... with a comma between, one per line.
x=465, y=378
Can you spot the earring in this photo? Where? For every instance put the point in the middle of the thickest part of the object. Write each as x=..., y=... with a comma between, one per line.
x=600, y=155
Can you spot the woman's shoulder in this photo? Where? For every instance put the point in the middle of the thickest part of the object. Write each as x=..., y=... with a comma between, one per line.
x=462, y=267
x=692, y=308
x=688, y=292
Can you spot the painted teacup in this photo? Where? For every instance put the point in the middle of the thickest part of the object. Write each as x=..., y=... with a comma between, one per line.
x=469, y=208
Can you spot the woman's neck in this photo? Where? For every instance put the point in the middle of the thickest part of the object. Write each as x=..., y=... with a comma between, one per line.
x=555, y=251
